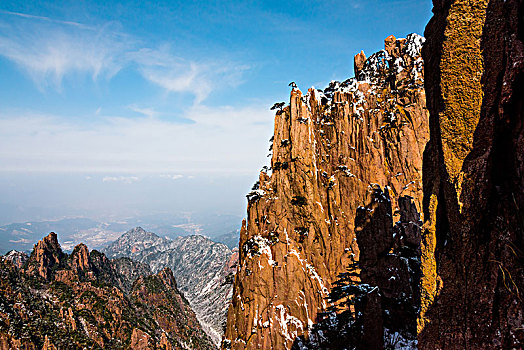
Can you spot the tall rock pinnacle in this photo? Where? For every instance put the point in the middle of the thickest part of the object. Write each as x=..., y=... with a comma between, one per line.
x=47, y=254
x=334, y=151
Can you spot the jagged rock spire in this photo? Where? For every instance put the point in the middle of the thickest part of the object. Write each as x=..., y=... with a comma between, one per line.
x=47, y=254
x=329, y=149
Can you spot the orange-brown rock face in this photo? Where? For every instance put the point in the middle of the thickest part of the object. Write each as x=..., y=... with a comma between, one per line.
x=140, y=340
x=170, y=310
x=46, y=255
x=80, y=258
x=331, y=151
x=472, y=252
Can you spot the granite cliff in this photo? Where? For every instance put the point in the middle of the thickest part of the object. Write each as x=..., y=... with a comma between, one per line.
x=472, y=251
x=84, y=300
x=338, y=211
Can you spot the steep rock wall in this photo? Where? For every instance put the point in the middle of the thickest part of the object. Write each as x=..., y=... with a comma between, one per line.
x=332, y=151
x=472, y=251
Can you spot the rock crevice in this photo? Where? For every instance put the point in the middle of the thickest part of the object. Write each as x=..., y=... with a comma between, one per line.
x=473, y=177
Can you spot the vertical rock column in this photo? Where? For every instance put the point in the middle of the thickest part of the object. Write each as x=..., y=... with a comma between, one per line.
x=330, y=149
x=472, y=251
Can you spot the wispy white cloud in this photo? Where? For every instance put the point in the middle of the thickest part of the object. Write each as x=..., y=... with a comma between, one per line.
x=47, y=19
x=48, y=50
x=224, y=140
x=21, y=240
x=148, y=112
x=172, y=177
x=123, y=179
x=176, y=74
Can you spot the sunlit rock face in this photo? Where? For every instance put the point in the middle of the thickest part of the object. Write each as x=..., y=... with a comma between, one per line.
x=345, y=184
x=473, y=177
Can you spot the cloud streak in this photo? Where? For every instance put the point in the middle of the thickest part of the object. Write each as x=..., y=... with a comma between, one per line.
x=47, y=19
x=176, y=74
x=123, y=179
x=224, y=140
x=49, y=50
x=171, y=177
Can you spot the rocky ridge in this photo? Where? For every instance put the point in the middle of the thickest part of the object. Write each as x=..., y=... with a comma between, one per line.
x=202, y=268
x=17, y=258
x=84, y=300
x=345, y=187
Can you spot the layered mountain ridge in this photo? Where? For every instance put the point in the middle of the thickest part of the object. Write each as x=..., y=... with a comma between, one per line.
x=55, y=300
x=339, y=156
x=202, y=268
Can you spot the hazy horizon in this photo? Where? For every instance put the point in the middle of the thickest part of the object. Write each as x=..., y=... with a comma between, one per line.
x=111, y=197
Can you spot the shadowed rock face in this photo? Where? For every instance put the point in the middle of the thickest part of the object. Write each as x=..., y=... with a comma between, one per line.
x=84, y=300
x=331, y=150
x=375, y=303
x=472, y=251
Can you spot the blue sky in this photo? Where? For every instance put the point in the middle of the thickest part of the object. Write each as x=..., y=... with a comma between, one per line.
x=162, y=88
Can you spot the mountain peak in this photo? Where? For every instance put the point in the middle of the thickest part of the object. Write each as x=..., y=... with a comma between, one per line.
x=133, y=241
x=17, y=258
x=51, y=239
x=137, y=229
x=46, y=254
x=91, y=293
x=166, y=275
x=203, y=271
x=333, y=151
x=139, y=232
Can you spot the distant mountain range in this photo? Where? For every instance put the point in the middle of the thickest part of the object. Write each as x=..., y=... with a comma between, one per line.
x=53, y=300
x=203, y=267
x=96, y=234
x=203, y=270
